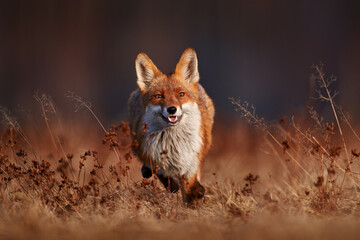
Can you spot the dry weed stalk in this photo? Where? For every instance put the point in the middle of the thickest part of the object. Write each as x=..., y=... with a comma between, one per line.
x=324, y=84
x=253, y=119
x=13, y=124
x=47, y=107
x=39, y=181
x=81, y=103
x=346, y=118
x=330, y=186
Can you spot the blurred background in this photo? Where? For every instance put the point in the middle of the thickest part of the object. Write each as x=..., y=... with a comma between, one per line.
x=261, y=51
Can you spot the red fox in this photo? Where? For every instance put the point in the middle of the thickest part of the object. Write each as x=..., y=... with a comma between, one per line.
x=172, y=119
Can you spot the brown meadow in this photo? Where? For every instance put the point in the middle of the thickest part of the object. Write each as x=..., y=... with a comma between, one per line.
x=296, y=177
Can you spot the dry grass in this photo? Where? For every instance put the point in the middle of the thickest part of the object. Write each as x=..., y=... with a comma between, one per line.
x=287, y=179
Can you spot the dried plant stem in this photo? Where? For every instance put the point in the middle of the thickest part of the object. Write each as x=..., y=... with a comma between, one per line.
x=97, y=119
x=104, y=183
x=290, y=188
x=348, y=123
x=18, y=182
x=254, y=119
x=330, y=99
x=17, y=129
x=104, y=129
x=82, y=103
x=84, y=175
x=47, y=122
x=105, y=178
x=66, y=158
x=310, y=140
x=46, y=106
x=276, y=153
x=289, y=154
x=314, y=141
x=326, y=152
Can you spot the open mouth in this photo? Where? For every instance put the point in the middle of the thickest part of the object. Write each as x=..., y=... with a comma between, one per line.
x=172, y=120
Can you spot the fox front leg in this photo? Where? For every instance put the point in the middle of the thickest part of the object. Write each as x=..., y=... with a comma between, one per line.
x=168, y=181
x=191, y=189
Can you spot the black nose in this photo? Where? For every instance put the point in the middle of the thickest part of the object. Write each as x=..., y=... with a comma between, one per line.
x=171, y=110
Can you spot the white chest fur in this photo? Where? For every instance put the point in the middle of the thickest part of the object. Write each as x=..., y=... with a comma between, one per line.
x=174, y=148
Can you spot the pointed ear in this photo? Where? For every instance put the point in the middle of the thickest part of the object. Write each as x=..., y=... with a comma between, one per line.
x=187, y=67
x=146, y=71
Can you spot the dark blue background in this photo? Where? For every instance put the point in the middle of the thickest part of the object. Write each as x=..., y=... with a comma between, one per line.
x=259, y=50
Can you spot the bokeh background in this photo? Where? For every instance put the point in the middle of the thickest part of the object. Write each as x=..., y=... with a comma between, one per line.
x=259, y=50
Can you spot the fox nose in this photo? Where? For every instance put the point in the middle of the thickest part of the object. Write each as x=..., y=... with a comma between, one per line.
x=171, y=110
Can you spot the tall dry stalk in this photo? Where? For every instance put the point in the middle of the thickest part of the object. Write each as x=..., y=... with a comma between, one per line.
x=324, y=84
x=329, y=97
x=8, y=120
x=251, y=116
x=346, y=118
x=47, y=107
x=81, y=103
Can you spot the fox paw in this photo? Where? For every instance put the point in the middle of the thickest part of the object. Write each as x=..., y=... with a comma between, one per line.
x=166, y=180
x=197, y=192
x=146, y=171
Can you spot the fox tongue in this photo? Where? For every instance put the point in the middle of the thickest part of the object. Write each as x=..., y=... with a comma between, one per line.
x=172, y=118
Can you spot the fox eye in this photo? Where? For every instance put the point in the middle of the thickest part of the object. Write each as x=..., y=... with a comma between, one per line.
x=181, y=94
x=159, y=96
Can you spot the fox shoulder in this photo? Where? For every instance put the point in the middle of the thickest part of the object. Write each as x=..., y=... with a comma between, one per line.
x=206, y=105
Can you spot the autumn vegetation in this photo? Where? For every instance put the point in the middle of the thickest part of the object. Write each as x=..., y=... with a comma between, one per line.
x=295, y=177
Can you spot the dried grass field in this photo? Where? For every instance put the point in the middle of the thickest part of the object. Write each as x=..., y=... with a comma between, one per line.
x=296, y=178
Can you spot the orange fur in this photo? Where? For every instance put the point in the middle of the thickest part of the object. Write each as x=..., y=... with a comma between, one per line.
x=161, y=91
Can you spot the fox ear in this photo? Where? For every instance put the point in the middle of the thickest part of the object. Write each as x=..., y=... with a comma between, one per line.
x=146, y=71
x=187, y=66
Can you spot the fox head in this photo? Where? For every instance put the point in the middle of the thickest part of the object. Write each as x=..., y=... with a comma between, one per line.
x=169, y=99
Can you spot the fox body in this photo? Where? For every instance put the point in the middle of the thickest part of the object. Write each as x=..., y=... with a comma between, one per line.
x=172, y=118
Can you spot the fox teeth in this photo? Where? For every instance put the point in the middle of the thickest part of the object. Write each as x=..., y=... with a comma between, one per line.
x=172, y=119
